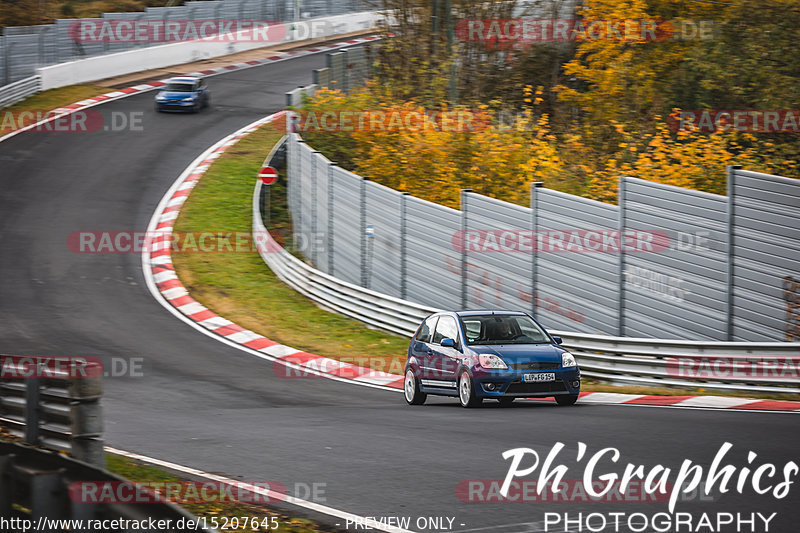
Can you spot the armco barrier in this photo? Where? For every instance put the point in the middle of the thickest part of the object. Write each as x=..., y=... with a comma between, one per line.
x=733, y=366
x=14, y=92
x=54, y=402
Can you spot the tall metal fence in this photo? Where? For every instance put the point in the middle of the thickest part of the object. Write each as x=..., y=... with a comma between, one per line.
x=23, y=49
x=666, y=262
x=346, y=69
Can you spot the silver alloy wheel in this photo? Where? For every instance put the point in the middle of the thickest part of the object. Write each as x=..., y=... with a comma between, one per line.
x=410, y=385
x=464, y=389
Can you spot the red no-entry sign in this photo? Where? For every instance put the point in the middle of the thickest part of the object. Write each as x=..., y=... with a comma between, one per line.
x=268, y=175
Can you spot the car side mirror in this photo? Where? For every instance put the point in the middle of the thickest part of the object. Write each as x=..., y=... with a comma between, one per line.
x=448, y=342
x=558, y=340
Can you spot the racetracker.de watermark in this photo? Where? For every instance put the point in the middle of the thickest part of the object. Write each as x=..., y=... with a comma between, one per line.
x=69, y=367
x=727, y=367
x=111, y=492
x=82, y=121
x=305, y=366
x=135, y=242
x=386, y=120
x=565, y=241
x=736, y=120
x=524, y=32
x=565, y=491
x=170, y=31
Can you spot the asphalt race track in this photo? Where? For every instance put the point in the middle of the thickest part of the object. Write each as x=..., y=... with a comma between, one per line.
x=206, y=405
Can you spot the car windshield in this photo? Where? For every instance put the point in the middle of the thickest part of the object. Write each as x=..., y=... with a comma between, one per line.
x=179, y=87
x=503, y=329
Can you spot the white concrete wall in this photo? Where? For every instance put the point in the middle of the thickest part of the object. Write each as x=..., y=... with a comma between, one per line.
x=121, y=63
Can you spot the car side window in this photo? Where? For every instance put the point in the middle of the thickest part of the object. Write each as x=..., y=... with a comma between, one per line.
x=446, y=328
x=425, y=332
x=472, y=329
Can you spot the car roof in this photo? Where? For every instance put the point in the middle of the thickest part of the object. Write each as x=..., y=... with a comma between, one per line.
x=476, y=312
x=183, y=79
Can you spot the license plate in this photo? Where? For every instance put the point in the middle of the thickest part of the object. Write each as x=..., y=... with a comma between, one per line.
x=538, y=377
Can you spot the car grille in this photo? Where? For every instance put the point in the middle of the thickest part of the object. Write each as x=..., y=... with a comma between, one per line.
x=535, y=366
x=534, y=388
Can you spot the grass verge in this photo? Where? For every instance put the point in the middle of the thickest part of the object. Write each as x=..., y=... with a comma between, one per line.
x=221, y=512
x=240, y=287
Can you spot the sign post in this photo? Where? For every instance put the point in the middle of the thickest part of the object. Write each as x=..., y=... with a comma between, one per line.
x=268, y=176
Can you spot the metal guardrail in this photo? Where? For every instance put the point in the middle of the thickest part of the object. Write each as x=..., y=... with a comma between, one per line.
x=54, y=402
x=37, y=493
x=19, y=90
x=772, y=367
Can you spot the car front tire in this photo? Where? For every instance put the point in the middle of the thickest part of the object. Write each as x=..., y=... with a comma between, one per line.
x=411, y=389
x=567, y=399
x=466, y=391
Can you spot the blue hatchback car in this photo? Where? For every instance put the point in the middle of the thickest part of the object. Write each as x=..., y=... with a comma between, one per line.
x=184, y=93
x=488, y=354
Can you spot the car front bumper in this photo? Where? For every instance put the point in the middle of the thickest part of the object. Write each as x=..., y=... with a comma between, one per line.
x=179, y=105
x=509, y=383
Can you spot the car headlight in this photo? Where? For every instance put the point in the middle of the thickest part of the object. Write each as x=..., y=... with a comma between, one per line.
x=188, y=98
x=491, y=361
x=160, y=97
x=567, y=360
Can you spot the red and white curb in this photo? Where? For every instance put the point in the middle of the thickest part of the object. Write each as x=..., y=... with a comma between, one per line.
x=698, y=402
x=55, y=114
x=164, y=283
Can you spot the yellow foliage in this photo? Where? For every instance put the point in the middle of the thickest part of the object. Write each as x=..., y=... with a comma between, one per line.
x=501, y=160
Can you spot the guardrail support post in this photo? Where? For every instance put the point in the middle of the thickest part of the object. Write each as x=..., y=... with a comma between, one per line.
x=6, y=484
x=87, y=417
x=403, y=246
x=331, y=205
x=47, y=495
x=6, y=61
x=464, y=270
x=32, y=410
x=363, y=227
x=296, y=204
x=312, y=239
x=535, y=186
x=89, y=450
x=731, y=209
x=621, y=263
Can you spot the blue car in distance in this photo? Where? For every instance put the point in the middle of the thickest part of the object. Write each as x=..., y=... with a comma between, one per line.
x=501, y=355
x=184, y=93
